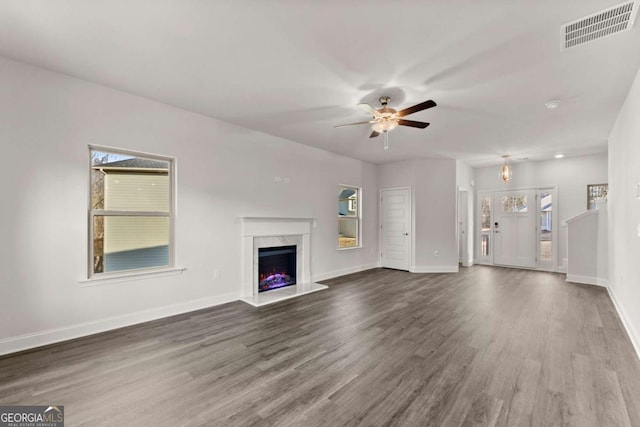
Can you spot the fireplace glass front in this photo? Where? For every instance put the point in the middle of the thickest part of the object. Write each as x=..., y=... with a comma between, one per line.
x=276, y=267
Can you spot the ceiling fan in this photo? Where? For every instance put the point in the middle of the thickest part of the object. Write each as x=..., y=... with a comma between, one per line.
x=386, y=119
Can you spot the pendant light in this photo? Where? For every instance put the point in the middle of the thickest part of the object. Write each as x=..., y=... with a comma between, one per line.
x=505, y=171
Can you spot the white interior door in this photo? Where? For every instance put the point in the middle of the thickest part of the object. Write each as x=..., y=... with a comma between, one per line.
x=395, y=208
x=514, y=228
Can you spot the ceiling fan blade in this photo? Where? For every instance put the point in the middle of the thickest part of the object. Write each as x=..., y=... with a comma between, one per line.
x=418, y=107
x=374, y=134
x=369, y=109
x=351, y=124
x=413, y=123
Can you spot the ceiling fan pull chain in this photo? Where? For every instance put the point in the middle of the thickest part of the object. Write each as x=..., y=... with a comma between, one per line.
x=386, y=140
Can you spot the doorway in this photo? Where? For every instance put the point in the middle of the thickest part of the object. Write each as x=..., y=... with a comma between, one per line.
x=517, y=228
x=395, y=228
x=463, y=225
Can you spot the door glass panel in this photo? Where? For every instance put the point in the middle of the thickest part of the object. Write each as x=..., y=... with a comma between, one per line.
x=514, y=204
x=484, y=244
x=546, y=207
x=485, y=213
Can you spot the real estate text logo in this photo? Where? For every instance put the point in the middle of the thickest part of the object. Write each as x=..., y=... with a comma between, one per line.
x=32, y=416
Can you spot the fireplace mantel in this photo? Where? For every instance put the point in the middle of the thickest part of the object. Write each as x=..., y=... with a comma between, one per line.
x=260, y=232
x=275, y=218
x=275, y=226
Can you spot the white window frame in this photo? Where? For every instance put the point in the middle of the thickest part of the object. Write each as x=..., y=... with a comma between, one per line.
x=357, y=217
x=170, y=267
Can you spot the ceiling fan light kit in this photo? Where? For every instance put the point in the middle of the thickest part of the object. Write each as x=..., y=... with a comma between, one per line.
x=384, y=125
x=386, y=119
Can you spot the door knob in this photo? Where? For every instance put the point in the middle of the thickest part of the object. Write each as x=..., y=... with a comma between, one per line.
x=405, y=234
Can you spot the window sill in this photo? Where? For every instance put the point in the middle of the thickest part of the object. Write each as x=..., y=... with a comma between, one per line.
x=350, y=248
x=128, y=277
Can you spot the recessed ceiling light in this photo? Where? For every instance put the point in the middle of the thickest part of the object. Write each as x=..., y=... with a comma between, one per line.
x=559, y=156
x=553, y=104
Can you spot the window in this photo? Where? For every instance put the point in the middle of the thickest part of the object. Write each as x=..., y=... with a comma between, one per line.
x=348, y=217
x=596, y=192
x=514, y=204
x=130, y=212
x=485, y=225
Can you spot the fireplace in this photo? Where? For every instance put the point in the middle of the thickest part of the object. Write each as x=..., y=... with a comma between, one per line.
x=276, y=267
x=290, y=239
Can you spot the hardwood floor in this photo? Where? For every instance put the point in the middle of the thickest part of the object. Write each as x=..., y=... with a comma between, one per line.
x=487, y=346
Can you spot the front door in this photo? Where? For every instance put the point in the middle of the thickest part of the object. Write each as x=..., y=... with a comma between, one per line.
x=395, y=228
x=514, y=228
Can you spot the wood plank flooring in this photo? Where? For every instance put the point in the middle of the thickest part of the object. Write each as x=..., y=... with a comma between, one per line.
x=484, y=347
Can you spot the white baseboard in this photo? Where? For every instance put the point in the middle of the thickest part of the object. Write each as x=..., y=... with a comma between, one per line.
x=587, y=280
x=563, y=267
x=342, y=272
x=628, y=326
x=434, y=269
x=51, y=336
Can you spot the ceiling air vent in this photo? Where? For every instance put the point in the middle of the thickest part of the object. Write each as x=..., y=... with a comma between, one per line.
x=600, y=24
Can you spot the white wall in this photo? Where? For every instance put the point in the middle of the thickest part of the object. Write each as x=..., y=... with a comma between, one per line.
x=588, y=246
x=624, y=213
x=433, y=182
x=224, y=172
x=571, y=175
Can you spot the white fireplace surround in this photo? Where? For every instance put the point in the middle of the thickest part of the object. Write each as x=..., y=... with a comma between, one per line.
x=267, y=232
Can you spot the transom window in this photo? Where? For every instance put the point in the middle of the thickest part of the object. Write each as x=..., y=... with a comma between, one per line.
x=348, y=217
x=131, y=211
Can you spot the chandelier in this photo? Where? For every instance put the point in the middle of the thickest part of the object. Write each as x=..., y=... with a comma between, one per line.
x=506, y=171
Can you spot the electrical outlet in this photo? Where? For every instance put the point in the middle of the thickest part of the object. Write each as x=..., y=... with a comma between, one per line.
x=216, y=273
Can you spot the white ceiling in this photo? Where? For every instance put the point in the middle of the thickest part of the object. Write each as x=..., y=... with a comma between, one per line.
x=296, y=68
